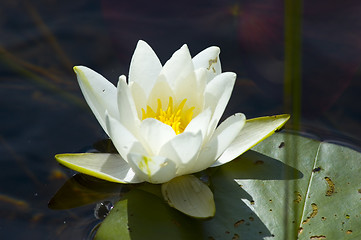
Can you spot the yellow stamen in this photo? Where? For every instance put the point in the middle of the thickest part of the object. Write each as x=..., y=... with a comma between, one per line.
x=175, y=116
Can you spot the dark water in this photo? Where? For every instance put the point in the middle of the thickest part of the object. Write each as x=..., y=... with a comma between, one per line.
x=43, y=113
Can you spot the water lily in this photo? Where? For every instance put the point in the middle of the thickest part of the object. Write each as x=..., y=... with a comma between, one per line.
x=164, y=123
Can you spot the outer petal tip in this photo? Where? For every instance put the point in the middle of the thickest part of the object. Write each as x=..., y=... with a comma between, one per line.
x=109, y=167
x=254, y=131
x=232, y=75
x=79, y=69
x=142, y=43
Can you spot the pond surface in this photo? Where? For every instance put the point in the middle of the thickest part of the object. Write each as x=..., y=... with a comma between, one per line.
x=43, y=112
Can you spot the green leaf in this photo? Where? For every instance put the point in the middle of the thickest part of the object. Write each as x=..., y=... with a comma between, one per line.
x=312, y=192
x=142, y=215
x=115, y=225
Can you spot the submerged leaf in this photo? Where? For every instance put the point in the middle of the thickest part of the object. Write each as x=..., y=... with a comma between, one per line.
x=81, y=190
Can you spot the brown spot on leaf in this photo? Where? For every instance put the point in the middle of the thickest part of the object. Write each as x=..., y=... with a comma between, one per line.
x=298, y=197
x=349, y=231
x=300, y=230
x=306, y=221
x=259, y=162
x=235, y=236
x=331, y=186
x=236, y=224
x=313, y=213
x=314, y=210
x=318, y=237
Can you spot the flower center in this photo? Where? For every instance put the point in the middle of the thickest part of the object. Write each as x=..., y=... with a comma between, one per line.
x=175, y=116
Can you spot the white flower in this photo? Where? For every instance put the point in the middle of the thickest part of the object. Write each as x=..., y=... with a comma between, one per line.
x=163, y=122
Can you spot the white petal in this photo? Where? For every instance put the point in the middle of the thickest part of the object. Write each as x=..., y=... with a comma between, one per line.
x=110, y=167
x=209, y=59
x=183, y=150
x=189, y=195
x=99, y=93
x=201, y=77
x=155, y=134
x=161, y=91
x=200, y=123
x=253, y=132
x=123, y=140
x=178, y=67
x=144, y=67
x=217, y=95
x=192, y=94
x=156, y=169
x=139, y=97
x=223, y=136
x=128, y=115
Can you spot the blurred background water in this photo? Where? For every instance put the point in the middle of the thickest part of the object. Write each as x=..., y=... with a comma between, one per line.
x=43, y=112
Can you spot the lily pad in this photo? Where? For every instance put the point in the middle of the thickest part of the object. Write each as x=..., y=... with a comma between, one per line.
x=312, y=192
x=141, y=215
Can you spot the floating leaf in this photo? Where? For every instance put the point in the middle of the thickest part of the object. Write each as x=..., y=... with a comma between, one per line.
x=258, y=197
x=142, y=215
